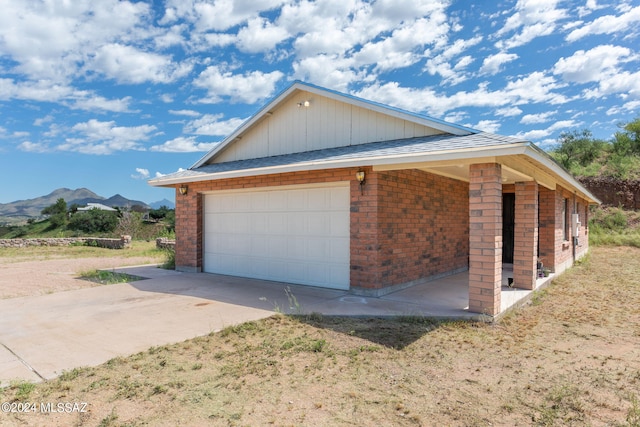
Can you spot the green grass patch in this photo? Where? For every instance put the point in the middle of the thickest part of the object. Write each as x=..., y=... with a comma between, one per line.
x=610, y=226
x=109, y=277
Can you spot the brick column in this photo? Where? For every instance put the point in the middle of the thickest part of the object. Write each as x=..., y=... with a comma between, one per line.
x=547, y=226
x=525, y=253
x=189, y=231
x=485, y=238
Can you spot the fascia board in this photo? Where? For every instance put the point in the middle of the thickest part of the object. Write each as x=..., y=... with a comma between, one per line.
x=406, y=160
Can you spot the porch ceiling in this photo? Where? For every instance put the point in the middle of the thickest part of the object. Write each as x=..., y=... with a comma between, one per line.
x=515, y=168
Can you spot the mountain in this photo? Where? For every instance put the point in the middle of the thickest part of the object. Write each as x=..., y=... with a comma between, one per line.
x=113, y=201
x=31, y=208
x=161, y=203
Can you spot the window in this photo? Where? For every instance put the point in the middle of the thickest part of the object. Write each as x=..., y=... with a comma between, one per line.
x=565, y=221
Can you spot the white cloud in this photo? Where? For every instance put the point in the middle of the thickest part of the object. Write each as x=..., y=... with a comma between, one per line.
x=141, y=173
x=400, y=49
x=592, y=65
x=91, y=102
x=49, y=91
x=608, y=24
x=33, y=147
x=249, y=87
x=260, y=35
x=624, y=84
x=42, y=120
x=491, y=126
x=562, y=125
x=534, y=88
x=534, y=18
x=627, y=107
x=188, y=113
x=493, y=64
x=508, y=111
x=330, y=71
x=183, y=145
x=95, y=137
x=529, y=119
x=456, y=117
x=50, y=41
x=210, y=124
x=127, y=64
x=440, y=62
x=603, y=65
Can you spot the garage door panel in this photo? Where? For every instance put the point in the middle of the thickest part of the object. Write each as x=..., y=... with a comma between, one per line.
x=296, y=235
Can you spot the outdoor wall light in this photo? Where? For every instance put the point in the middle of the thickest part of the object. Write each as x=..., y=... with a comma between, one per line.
x=304, y=104
x=184, y=189
x=360, y=177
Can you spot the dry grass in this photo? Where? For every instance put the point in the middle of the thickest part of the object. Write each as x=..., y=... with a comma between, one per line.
x=571, y=358
x=139, y=248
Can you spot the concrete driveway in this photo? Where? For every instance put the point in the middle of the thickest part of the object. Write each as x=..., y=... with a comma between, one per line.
x=42, y=336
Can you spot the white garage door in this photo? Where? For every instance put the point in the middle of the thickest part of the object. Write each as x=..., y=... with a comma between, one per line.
x=290, y=234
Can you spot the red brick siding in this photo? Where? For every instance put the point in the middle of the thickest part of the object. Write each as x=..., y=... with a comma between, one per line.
x=485, y=238
x=564, y=248
x=405, y=225
x=526, y=235
x=189, y=230
x=423, y=226
x=547, y=226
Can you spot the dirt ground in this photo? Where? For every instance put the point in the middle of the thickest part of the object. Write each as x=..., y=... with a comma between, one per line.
x=43, y=271
x=570, y=358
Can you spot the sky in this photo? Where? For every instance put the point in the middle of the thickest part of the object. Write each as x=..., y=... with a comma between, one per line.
x=108, y=94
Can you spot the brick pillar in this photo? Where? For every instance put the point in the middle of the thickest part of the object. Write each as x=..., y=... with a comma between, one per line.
x=485, y=238
x=547, y=226
x=189, y=231
x=525, y=253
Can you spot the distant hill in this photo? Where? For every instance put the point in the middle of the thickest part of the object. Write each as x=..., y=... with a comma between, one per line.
x=31, y=208
x=161, y=203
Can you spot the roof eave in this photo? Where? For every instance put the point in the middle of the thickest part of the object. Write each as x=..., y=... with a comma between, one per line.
x=483, y=152
x=540, y=156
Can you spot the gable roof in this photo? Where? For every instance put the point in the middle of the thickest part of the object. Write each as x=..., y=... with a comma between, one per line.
x=298, y=86
x=446, y=152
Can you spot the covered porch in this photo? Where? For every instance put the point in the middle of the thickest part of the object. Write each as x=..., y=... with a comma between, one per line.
x=443, y=298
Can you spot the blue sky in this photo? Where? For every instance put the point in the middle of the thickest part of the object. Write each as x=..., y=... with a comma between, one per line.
x=107, y=94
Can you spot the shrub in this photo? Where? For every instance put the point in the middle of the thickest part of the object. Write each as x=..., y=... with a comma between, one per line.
x=94, y=221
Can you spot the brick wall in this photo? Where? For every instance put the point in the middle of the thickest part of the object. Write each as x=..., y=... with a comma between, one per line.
x=404, y=225
x=422, y=228
x=564, y=248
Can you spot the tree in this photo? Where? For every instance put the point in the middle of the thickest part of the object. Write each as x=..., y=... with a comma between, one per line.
x=578, y=147
x=627, y=141
x=159, y=213
x=94, y=221
x=57, y=213
x=129, y=223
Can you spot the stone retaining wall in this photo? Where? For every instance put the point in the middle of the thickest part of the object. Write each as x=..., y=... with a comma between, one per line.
x=121, y=243
x=614, y=192
x=164, y=243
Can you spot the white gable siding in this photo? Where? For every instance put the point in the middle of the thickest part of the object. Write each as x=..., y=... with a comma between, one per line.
x=326, y=123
